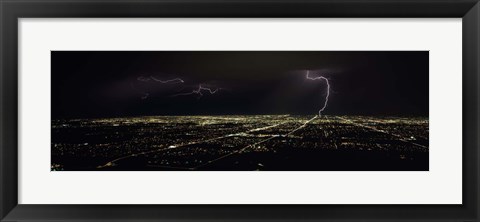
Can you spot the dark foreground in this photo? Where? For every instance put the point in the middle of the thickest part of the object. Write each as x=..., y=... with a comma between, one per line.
x=332, y=143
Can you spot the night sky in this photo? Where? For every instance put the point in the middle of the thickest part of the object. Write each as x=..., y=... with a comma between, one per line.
x=95, y=84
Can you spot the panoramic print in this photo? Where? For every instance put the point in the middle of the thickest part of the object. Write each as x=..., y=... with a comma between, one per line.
x=240, y=111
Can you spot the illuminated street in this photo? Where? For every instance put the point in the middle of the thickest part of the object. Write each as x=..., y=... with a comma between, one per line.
x=266, y=142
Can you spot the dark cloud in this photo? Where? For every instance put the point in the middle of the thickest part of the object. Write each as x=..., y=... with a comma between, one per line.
x=114, y=83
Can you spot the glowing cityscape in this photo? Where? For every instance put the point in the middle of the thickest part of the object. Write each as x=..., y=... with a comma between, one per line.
x=241, y=143
x=240, y=111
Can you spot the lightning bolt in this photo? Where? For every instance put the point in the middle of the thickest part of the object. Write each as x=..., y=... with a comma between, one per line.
x=328, y=91
x=176, y=80
x=199, y=91
x=147, y=79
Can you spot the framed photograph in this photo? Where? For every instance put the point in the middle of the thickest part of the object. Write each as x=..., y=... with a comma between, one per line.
x=257, y=110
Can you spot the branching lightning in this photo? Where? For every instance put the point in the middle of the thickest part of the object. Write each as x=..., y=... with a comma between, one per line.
x=327, y=94
x=199, y=91
x=147, y=79
x=176, y=80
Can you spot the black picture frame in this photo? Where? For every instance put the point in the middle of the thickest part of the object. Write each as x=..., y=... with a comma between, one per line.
x=12, y=10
